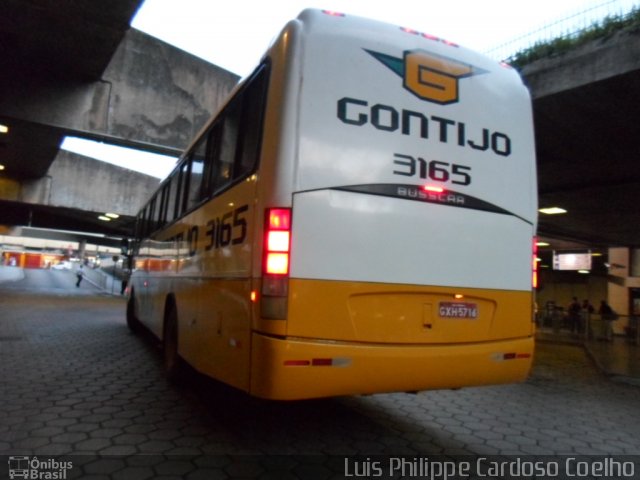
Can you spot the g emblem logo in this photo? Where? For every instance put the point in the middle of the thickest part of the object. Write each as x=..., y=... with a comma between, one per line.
x=428, y=76
x=433, y=78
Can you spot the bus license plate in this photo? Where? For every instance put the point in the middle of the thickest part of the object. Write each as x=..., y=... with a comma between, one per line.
x=458, y=310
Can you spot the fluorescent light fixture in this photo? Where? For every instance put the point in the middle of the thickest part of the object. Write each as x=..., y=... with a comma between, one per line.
x=4, y=128
x=153, y=164
x=584, y=272
x=104, y=219
x=543, y=244
x=112, y=215
x=552, y=210
x=1, y=167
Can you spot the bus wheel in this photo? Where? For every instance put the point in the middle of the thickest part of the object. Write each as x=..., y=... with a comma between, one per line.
x=132, y=321
x=171, y=360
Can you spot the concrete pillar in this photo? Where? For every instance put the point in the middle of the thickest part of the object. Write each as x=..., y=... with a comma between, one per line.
x=82, y=247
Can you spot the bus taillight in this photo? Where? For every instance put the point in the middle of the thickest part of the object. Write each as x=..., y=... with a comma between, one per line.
x=276, y=263
x=333, y=13
x=277, y=241
x=534, y=264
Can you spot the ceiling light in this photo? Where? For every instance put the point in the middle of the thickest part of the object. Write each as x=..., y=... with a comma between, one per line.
x=543, y=244
x=4, y=128
x=1, y=167
x=552, y=210
x=584, y=272
x=112, y=215
x=104, y=219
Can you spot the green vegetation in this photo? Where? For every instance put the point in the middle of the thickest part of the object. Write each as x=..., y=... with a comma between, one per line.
x=600, y=29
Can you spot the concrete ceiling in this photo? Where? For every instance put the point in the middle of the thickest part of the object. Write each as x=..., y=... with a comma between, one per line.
x=63, y=39
x=589, y=162
x=585, y=136
x=586, y=109
x=44, y=43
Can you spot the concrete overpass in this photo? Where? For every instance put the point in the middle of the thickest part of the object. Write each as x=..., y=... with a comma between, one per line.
x=80, y=70
x=586, y=105
x=137, y=91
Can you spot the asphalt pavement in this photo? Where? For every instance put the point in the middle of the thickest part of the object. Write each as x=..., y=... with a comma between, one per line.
x=77, y=385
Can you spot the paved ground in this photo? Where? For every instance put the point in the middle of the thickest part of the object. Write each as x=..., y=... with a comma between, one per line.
x=75, y=381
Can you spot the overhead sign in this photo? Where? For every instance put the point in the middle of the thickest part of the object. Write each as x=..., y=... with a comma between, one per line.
x=572, y=261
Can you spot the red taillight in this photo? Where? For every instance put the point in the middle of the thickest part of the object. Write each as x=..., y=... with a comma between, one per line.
x=279, y=219
x=277, y=243
x=428, y=36
x=433, y=188
x=534, y=264
x=276, y=263
x=332, y=13
x=410, y=30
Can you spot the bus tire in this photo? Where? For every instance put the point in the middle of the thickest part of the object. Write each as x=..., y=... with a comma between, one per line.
x=172, y=362
x=132, y=321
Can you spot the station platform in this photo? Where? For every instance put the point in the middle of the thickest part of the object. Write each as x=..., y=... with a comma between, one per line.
x=97, y=279
x=618, y=358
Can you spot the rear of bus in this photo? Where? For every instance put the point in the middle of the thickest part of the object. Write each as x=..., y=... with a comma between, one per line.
x=408, y=206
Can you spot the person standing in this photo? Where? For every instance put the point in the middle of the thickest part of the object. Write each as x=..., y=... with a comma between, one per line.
x=574, y=315
x=607, y=316
x=79, y=275
x=125, y=281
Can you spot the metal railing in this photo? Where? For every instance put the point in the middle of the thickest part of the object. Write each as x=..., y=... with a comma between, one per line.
x=599, y=328
x=590, y=326
x=100, y=279
x=569, y=26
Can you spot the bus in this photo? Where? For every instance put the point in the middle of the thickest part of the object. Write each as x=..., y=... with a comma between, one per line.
x=358, y=217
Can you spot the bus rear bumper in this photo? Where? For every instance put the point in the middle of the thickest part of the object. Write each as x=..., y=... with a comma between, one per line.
x=295, y=369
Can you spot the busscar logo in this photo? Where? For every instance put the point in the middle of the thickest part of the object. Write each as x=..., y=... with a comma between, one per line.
x=429, y=76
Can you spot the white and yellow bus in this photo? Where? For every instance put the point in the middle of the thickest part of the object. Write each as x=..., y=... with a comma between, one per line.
x=357, y=218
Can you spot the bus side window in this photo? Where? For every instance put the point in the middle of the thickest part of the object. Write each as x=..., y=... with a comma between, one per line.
x=156, y=212
x=162, y=208
x=173, y=185
x=140, y=233
x=196, y=172
x=234, y=141
x=226, y=151
x=144, y=229
x=213, y=145
x=253, y=103
x=183, y=189
x=151, y=218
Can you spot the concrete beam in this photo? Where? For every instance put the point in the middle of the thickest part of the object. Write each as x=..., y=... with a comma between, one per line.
x=151, y=93
x=591, y=63
x=162, y=95
x=74, y=180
